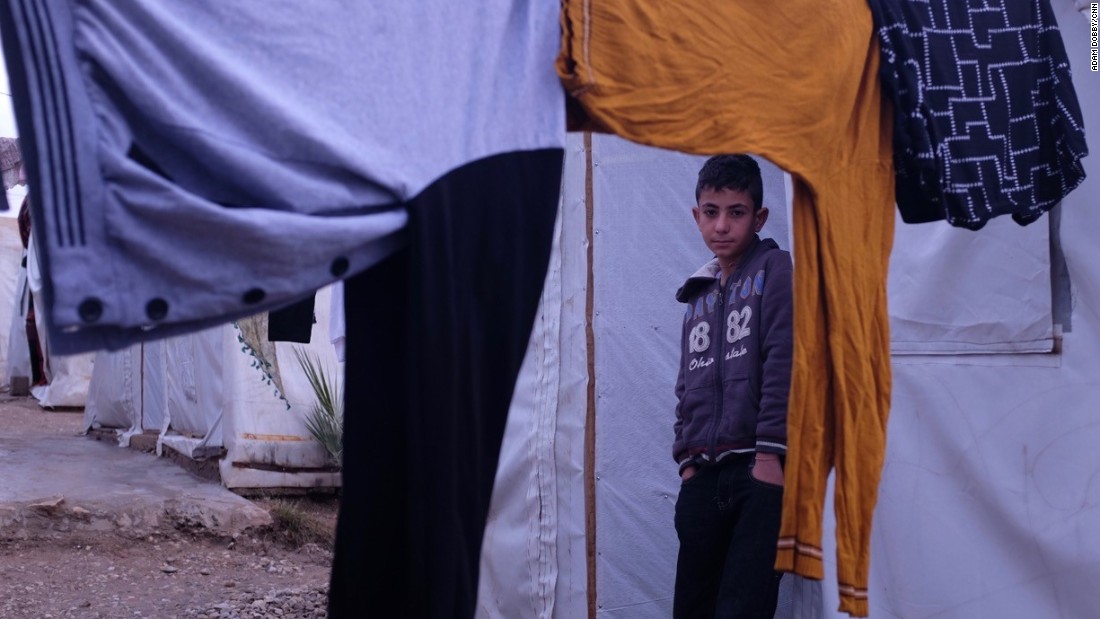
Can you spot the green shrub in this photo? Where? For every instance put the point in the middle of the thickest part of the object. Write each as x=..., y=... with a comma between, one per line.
x=325, y=419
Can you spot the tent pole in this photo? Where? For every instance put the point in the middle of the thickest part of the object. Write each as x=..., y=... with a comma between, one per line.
x=590, y=415
x=141, y=377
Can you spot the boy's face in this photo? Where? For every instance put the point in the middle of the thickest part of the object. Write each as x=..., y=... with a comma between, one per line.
x=728, y=222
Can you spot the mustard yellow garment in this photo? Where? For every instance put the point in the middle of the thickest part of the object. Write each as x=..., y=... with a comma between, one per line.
x=796, y=82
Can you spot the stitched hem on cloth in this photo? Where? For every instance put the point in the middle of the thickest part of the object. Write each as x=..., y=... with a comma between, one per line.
x=799, y=558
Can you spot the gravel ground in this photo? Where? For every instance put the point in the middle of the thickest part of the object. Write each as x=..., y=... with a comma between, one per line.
x=185, y=577
x=174, y=574
x=304, y=603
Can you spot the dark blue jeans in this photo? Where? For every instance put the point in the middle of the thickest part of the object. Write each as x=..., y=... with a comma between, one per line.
x=728, y=524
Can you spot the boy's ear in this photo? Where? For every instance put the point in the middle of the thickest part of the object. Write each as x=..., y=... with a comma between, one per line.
x=695, y=213
x=761, y=217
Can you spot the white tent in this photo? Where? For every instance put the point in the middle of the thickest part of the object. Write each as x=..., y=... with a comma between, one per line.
x=210, y=394
x=11, y=253
x=988, y=502
x=67, y=377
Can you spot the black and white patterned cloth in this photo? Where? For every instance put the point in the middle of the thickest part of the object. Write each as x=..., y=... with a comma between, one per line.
x=987, y=122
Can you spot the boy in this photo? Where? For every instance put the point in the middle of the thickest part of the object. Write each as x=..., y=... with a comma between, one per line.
x=731, y=411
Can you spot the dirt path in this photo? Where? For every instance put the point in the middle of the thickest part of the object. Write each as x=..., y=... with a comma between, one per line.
x=281, y=571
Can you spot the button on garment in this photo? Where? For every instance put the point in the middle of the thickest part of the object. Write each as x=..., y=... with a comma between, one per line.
x=156, y=309
x=194, y=152
x=90, y=310
x=340, y=266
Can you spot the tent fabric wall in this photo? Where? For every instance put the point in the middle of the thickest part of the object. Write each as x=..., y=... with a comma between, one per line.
x=954, y=291
x=200, y=392
x=195, y=388
x=17, y=359
x=67, y=376
x=114, y=392
x=571, y=590
x=988, y=502
x=153, y=413
x=533, y=562
x=11, y=254
x=152, y=386
x=267, y=443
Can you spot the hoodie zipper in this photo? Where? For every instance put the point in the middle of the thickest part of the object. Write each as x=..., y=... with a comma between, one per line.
x=719, y=366
x=720, y=361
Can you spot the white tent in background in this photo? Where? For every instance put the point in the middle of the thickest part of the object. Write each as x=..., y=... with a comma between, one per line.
x=67, y=377
x=11, y=253
x=988, y=502
x=209, y=394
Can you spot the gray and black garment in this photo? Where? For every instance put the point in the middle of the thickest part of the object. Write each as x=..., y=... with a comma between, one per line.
x=196, y=162
x=193, y=162
x=987, y=122
x=735, y=363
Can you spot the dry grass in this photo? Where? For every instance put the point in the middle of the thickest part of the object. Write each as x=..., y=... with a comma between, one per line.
x=299, y=521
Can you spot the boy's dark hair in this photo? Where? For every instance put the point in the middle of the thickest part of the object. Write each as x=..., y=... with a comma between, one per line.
x=736, y=172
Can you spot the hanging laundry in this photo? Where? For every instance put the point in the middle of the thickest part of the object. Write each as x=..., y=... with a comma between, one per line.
x=986, y=120
x=798, y=83
x=293, y=323
x=193, y=163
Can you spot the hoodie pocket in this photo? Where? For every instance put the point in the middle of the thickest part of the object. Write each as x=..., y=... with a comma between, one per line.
x=696, y=411
x=740, y=404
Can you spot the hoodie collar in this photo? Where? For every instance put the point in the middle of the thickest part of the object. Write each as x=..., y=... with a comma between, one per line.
x=711, y=271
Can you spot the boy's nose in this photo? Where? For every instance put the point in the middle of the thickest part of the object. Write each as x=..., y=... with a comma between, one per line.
x=723, y=223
